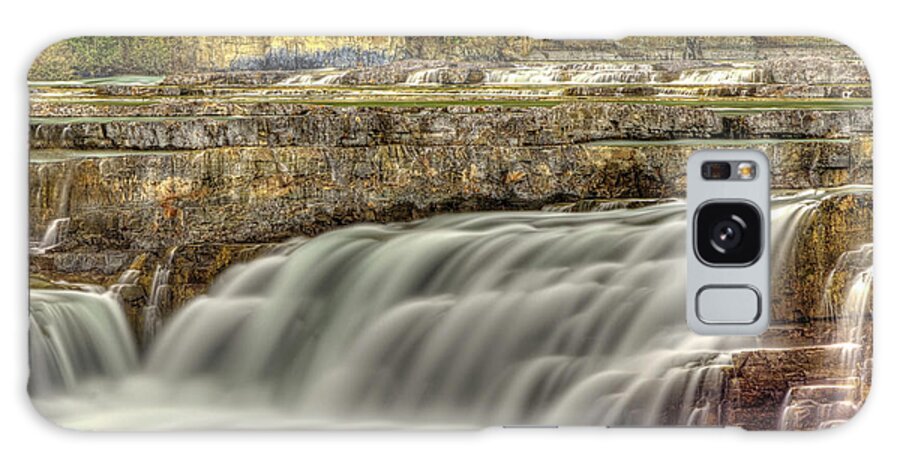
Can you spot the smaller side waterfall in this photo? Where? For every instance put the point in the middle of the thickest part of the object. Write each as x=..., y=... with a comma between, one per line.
x=160, y=295
x=832, y=402
x=788, y=214
x=127, y=279
x=330, y=79
x=720, y=76
x=313, y=79
x=853, y=274
x=53, y=236
x=425, y=76
x=853, y=315
x=819, y=406
x=300, y=79
x=75, y=336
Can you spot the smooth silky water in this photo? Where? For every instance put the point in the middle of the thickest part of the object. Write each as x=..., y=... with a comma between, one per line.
x=463, y=320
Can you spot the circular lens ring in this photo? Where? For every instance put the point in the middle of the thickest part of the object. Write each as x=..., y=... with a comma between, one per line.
x=727, y=234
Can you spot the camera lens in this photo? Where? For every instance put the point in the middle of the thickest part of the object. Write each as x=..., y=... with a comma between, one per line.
x=728, y=233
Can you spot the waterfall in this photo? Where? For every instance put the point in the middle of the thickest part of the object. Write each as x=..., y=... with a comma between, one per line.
x=721, y=76
x=53, y=236
x=425, y=76
x=463, y=320
x=820, y=406
x=313, y=79
x=856, y=310
x=300, y=79
x=75, y=336
x=472, y=318
x=330, y=79
x=56, y=230
x=160, y=294
x=857, y=264
x=787, y=215
x=586, y=73
x=128, y=278
x=829, y=403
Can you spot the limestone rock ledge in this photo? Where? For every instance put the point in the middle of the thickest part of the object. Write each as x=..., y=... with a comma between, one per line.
x=155, y=201
x=794, y=388
x=496, y=126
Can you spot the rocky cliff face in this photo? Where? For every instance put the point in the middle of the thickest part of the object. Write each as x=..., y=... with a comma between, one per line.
x=124, y=206
x=450, y=126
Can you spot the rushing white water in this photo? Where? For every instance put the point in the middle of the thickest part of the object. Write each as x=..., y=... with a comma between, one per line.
x=459, y=320
x=858, y=288
x=75, y=336
x=53, y=236
x=332, y=78
x=827, y=404
x=425, y=76
x=857, y=308
x=485, y=318
x=622, y=73
x=822, y=405
x=721, y=76
x=793, y=210
x=586, y=73
x=160, y=293
x=833, y=402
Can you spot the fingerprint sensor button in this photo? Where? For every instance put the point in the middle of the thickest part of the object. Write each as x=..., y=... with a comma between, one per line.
x=728, y=304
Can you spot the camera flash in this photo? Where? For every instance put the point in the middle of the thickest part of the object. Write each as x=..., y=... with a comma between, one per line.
x=746, y=170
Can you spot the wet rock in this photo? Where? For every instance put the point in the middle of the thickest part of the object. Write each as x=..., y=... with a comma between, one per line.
x=760, y=381
x=133, y=294
x=838, y=224
x=195, y=267
x=103, y=264
x=821, y=406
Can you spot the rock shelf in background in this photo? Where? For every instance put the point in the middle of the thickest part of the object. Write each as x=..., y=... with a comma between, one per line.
x=455, y=125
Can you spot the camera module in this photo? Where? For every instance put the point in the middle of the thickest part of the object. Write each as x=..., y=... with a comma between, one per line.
x=728, y=233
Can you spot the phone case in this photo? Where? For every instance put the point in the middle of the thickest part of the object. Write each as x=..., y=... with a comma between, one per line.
x=435, y=232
